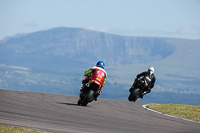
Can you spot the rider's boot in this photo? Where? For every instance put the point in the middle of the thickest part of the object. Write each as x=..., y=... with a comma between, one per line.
x=96, y=95
x=144, y=93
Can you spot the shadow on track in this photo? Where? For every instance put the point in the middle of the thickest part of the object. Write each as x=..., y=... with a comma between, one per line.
x=73, y=104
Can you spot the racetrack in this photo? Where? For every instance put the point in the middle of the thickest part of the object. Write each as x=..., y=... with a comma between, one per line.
x=60, y=113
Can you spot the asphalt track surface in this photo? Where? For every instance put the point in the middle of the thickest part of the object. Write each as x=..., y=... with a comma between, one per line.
x=61, y=114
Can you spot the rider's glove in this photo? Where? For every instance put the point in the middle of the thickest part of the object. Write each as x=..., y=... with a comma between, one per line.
x=84, y=81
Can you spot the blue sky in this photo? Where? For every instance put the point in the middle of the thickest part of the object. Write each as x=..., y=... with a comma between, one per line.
x=157, y=18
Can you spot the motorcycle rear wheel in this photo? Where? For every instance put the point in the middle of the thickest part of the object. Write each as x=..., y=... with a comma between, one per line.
x=79, y=102
x=88, y=98
x=134, y=95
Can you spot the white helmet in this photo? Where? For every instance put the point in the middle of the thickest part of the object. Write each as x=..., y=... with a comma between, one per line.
x=151, y=70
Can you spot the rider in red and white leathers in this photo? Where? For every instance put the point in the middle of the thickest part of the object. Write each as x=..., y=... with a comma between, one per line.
x=98, y=75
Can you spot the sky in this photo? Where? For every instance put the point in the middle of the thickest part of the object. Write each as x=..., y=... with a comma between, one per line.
x=154, y=18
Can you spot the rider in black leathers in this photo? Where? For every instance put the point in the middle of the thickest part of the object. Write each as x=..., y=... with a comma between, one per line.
x=150, y=78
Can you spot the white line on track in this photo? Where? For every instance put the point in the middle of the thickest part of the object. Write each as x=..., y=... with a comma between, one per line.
x=146, y=107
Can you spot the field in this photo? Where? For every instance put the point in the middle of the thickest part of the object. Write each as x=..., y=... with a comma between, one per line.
x=67, y=83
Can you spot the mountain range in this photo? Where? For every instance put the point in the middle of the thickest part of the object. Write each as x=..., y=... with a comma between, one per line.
x=71, y=51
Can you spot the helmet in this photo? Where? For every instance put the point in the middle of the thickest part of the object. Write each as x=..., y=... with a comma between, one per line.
x=100, y=64
x=151, y=70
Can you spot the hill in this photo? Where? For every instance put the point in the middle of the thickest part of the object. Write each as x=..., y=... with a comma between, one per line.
x=56, y=58
x=63, y=44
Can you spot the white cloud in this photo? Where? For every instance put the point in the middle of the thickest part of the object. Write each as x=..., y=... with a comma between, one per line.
x=187, y=32
x=101, y=29
x=190, y=30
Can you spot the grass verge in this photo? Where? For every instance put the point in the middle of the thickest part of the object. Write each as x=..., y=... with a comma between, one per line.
x=183, y=111
x=7, y=129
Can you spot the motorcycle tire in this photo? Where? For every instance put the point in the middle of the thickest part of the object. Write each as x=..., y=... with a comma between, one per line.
x=134, y=95
x=88, y=98
x=79, y=102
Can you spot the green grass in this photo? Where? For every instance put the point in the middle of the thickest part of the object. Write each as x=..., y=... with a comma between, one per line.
x=183, y=111
x=7, y=129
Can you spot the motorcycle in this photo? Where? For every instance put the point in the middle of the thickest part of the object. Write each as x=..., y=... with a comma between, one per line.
x=138, y=90
x=91, y=90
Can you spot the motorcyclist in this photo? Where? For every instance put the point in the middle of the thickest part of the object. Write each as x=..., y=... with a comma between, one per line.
x=98, y=74
x=150, y=79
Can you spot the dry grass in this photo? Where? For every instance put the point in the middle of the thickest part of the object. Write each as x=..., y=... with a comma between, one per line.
x=7, y=129
x=183, y=111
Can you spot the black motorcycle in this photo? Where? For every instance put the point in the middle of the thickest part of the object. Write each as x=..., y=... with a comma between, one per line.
x=138, y=90
x=89, y=92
